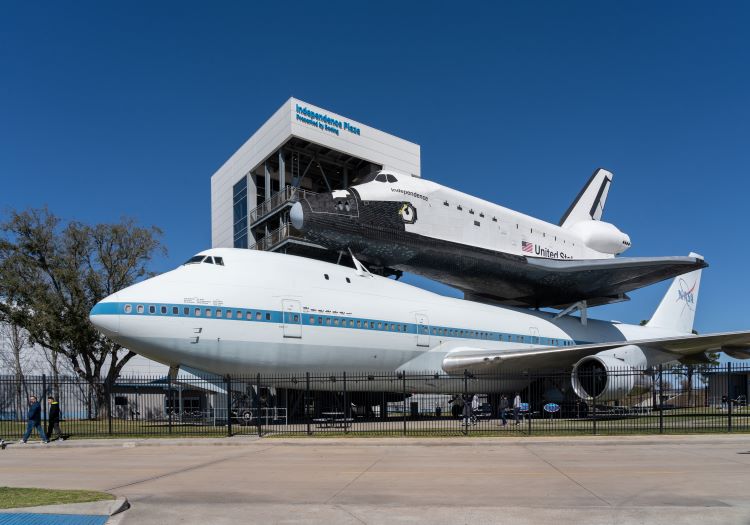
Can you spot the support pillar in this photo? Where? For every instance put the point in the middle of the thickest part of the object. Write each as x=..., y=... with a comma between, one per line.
x=267, y=172
x=282, y=170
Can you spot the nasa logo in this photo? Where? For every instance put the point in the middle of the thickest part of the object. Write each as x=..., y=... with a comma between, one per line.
x=686, y=293
x=408, y=213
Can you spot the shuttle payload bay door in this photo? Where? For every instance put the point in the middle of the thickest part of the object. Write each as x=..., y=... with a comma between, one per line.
x=423, y=330
x=292, y=314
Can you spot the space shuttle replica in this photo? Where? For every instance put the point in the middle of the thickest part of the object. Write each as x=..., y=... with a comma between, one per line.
x=493, y=254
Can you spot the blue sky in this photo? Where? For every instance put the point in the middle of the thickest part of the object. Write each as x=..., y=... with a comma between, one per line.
x=110, y=109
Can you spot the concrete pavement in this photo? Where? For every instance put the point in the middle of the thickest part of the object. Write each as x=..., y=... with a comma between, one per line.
x=638, y=479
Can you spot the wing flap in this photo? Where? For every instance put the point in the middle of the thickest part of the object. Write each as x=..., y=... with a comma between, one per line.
x=479, y=360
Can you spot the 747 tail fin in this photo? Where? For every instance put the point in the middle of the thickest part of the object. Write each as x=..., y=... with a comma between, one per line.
x=677, y=308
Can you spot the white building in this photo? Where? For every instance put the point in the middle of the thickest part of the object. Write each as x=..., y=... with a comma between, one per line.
x=300, y=148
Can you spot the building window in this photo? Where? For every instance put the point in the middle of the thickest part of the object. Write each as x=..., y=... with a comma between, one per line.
x=239, y=202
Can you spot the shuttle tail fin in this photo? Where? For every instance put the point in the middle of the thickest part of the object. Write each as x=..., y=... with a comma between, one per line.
x=589, y=204
x=677, y=308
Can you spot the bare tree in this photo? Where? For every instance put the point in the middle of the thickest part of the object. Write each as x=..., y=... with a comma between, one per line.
x=51, y=276
x=14, y=357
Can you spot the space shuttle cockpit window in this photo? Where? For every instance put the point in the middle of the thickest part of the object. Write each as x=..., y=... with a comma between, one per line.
x=391, y=178
x=381, y=178
x=195, y=259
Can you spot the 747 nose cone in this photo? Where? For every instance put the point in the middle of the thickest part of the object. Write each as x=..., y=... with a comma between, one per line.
x=297, y=215
x=105, y=316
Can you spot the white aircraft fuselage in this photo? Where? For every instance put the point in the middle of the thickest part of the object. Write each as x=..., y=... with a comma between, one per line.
x=261, y=312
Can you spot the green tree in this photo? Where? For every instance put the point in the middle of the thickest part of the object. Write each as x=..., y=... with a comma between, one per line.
x=52, y=274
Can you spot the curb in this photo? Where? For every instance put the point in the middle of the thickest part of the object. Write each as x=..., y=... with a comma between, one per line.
x=467, y=441
x=120, y=504
x=116, y=506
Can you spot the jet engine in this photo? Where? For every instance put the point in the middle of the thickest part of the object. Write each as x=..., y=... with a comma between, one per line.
x=605, y=378
x=601, y=236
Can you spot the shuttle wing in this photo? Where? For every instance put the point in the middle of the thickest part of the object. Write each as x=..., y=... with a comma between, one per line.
x=736, y=344
x=558, y=283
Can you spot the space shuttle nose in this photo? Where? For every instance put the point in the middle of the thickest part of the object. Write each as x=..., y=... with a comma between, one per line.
x=297, y=215
x=105, y=316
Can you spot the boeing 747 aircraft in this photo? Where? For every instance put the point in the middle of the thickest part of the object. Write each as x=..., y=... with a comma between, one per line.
x=492, y=253
x=234, y=311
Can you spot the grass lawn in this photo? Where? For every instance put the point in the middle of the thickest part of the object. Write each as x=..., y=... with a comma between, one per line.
x=12, y=497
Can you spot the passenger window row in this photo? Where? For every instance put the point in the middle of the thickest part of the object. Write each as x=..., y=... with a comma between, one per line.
x=356, y=323
x=256, y=315
x=219, y=313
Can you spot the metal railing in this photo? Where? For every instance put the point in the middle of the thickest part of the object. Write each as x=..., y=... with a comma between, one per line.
x=287, y=196
x=276, y=237
x=677, y=399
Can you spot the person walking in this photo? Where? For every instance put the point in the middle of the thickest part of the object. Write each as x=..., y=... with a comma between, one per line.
x=504, y=409
x=34, y=417
x=474, y=409
x=467, y=408
x=517, y=408
x=53, y=418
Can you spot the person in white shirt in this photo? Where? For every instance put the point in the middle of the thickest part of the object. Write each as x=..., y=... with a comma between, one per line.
x=474, y=409
x=517, y=407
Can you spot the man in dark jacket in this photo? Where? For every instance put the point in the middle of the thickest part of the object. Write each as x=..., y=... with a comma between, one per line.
x=53, y=418
x=34, y=417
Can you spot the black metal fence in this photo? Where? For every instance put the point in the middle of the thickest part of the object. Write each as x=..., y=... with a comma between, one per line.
x=674, y=399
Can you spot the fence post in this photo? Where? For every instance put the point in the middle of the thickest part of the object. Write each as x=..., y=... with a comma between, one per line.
x=661, y=398
x=346, y=409
x=729, y=397
x=108, y=392
x=403, y=388
x=464, y=421
x=43, y=396
x=593, y=412
x=307, y=397
x=228, y=381
x=260, y=409
x=528, y=398
x=171, y=400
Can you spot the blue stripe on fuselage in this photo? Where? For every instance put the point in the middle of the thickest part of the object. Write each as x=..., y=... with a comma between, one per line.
x=318, y=320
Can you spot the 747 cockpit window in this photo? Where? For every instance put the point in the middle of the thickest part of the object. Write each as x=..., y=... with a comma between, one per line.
x=205, y=259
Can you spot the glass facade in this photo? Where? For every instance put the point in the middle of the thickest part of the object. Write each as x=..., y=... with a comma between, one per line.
x=239, y=202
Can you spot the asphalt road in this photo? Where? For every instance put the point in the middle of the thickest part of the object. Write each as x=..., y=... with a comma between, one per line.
x=661, y=480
